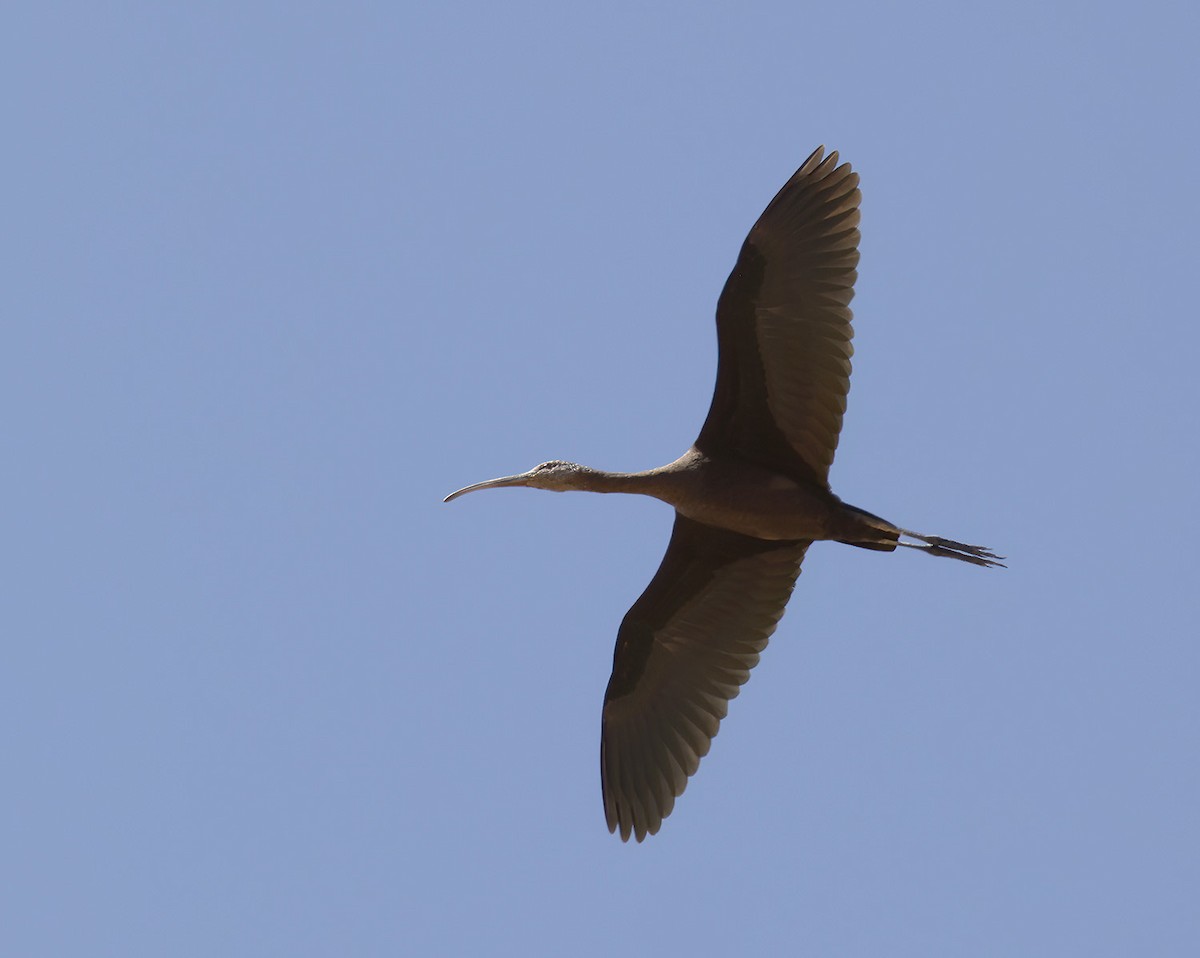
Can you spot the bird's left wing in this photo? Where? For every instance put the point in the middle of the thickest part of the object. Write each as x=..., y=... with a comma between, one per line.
x=783, y=327
x=683, y=651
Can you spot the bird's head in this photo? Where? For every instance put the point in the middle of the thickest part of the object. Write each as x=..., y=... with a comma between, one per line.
x=556, y=475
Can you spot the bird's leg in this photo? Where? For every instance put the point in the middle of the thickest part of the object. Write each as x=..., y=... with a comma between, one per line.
x=937, y=546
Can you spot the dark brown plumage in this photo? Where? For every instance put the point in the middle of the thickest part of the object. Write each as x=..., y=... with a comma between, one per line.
x=750, y=496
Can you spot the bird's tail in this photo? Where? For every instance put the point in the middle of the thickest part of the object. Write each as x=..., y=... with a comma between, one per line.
x=885, y=537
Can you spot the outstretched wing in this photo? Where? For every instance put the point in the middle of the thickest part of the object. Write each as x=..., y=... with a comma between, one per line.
x=783, y=327
x=683, y=651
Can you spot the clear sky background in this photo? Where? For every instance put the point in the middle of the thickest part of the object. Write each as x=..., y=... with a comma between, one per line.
x=279, y=276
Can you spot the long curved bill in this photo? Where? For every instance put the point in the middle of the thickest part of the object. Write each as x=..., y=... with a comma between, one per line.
x=517, y=480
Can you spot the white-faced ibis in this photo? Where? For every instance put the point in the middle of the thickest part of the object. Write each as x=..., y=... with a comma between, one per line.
x=750, y=496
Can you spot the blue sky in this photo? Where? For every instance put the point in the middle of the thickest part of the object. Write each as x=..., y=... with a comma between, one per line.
x=278, y=277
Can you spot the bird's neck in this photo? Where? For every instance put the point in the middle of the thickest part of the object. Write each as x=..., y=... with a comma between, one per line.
x=662, y=483
x=598, y=480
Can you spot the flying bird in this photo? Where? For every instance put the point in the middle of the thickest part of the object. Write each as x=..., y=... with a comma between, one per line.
x=750, y=496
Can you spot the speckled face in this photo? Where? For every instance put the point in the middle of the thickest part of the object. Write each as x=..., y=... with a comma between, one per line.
x=556, y=475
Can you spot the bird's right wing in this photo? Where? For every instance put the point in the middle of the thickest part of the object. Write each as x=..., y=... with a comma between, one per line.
x=683, y=651
x=783, y=327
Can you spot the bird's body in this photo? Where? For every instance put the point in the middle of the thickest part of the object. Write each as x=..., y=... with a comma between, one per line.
x=755, y=501
x=750, y=496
